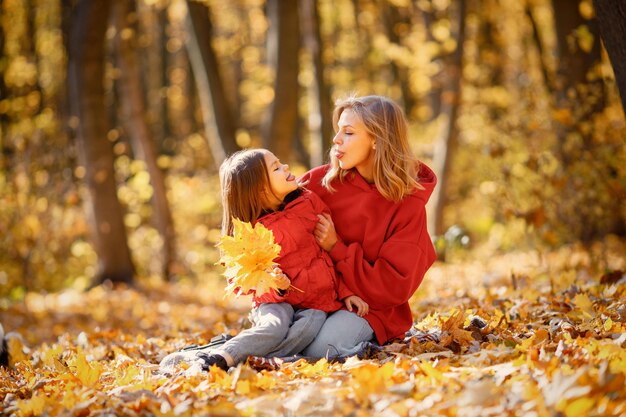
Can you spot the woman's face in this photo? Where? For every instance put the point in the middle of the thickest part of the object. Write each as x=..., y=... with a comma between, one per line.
x=354, y=146
x=282, y=181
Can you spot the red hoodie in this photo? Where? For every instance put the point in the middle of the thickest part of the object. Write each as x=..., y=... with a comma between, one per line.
x=307, y=265
x=384, y=248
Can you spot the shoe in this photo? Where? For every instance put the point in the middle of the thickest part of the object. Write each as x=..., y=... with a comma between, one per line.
x=188, y=353
x=207, y=360
x=215, y=341
x=259, y=363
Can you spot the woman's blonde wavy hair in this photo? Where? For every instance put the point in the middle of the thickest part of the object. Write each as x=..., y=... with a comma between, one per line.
x=395, y=167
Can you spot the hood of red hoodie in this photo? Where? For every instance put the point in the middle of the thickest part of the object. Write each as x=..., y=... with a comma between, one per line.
x=427, y=179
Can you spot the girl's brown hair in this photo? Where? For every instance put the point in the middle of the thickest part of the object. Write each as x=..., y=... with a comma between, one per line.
x=395, y=167
x=244, y=181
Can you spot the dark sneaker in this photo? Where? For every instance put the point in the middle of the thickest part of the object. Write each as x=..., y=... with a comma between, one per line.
x=211, y=359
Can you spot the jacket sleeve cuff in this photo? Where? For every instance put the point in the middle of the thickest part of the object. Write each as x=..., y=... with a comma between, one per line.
x=344, y=292
x=338, y=252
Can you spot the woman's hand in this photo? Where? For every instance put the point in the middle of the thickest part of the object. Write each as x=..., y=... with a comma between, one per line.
x=325, y=233
x=354, y=301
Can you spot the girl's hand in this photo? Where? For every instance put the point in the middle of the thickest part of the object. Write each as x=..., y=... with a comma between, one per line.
x=282, y=281
x=325, y=233
x=354, y=301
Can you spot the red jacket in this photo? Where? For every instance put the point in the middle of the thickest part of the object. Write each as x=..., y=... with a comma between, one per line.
x=307, y=265
x=384, y=248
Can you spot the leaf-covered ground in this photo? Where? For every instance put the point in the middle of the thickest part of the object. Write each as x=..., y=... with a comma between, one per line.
x=527, y=334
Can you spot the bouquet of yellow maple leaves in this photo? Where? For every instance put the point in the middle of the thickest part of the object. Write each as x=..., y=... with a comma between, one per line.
x=249, y=256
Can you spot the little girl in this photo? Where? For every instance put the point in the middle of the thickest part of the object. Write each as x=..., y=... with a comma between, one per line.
x=257, y=187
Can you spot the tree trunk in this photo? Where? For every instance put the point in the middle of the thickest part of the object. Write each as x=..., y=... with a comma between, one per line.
x=434, y=97
x=612, y=18
x=86, y=77
x=574, y=63
x=577, y=99
x=392, y=17
x=177, y=71
x=219, y=122
x=447, y=143
x=283, y=48
x=320, y=123
x=133, y=109
x=151, y=25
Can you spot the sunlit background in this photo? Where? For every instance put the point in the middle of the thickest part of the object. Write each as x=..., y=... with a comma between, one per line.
x=534, y=144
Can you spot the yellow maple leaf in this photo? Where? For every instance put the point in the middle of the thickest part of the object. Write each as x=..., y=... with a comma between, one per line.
x=579, y=407
x=34, y=406
x=243, y=387
x=87, y=373
x=371, y=379
x=452, y=329
x=582, y=302
x=248, y=256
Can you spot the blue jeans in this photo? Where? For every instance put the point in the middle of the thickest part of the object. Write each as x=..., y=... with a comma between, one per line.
x=278, y=330
x=342, y=334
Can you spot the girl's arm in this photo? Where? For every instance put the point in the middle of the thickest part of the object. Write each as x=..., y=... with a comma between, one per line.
x=392, y=278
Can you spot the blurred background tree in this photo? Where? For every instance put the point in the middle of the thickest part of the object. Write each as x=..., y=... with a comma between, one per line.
x=114, y=116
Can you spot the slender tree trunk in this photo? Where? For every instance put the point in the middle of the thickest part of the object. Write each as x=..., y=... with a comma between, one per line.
x=320, y=123
x=4, y=119
x=86, y=76
x=150, y=20
x=391, y=17
x=447, y=144
x=434, y=97
x=219, y=122
x=134, y=109
x=176, y=71
x=283, y=48
x=612, y=18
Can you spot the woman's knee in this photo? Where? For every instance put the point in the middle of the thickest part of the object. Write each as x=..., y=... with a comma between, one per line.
x=341, y=332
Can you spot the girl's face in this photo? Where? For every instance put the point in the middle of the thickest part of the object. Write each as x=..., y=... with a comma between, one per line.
x=282, y=181
x=354, y=146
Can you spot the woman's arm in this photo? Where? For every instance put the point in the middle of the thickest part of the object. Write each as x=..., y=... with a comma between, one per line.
x=392, y=278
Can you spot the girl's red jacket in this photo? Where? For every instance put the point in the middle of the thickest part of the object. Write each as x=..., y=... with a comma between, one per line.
x=384, y=248
x=309, y=267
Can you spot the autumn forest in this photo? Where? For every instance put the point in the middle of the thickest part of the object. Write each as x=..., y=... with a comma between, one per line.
x=115, y=116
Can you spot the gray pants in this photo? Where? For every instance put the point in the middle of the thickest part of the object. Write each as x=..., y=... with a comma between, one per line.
x=343, y=334
x=278, y=330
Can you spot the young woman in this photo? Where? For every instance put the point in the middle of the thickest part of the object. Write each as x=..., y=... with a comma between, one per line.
x=377, y=237
x=257, y=187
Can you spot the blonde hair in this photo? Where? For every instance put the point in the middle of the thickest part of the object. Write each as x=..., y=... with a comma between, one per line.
x=244, y=181
x=395, y=167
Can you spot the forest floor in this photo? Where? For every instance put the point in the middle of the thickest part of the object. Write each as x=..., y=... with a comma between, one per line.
x=532, y=334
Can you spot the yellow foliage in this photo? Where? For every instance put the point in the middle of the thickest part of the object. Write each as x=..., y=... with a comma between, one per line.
x=579, y=407
x=249, y=256
x=34, y=406
x=87, y=373
x=583, y=303
x=372, y=379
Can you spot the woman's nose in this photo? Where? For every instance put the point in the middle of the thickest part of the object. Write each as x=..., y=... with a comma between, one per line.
x=336, y=139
